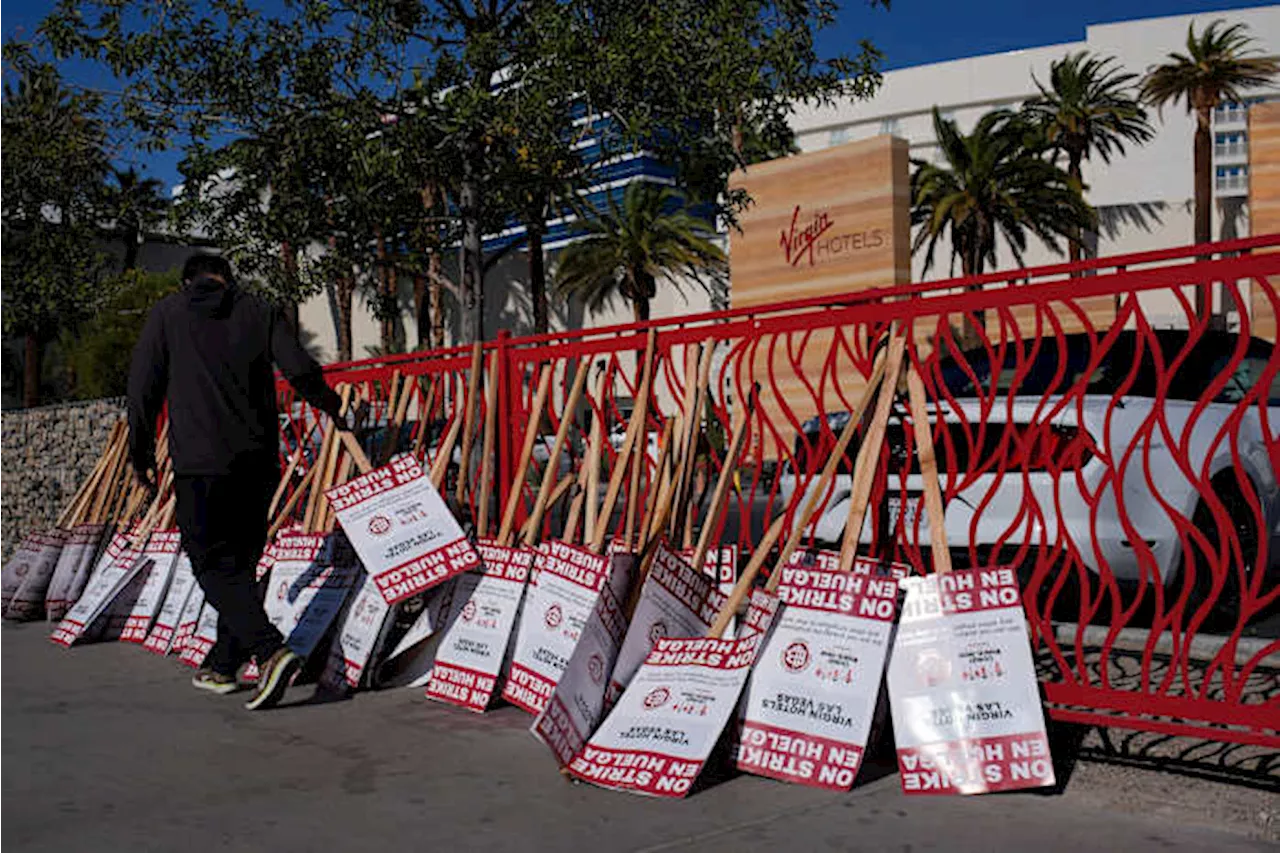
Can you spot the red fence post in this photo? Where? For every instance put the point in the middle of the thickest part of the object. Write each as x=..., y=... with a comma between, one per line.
x=508, y=401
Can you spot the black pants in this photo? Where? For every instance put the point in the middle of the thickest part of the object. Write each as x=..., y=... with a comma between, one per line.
x=223, y=519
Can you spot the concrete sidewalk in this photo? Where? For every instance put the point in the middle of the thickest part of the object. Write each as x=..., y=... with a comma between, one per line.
x=108, y=747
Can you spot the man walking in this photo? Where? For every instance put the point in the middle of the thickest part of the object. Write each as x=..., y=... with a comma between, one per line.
x=208, y=350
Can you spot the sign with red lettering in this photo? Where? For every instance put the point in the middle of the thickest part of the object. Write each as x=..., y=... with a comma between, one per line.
x=161, y=637
x=309, y=581
x=567, y=581
x=351, y=649
x=761, y=608
x=675, y=601
x=162, y=551
x=198, y=645
x=82, y=543
x=582, y=694
x=34, y=575
x=967, y=714
x=105, y=586
x=401, y=528
x=812, y=695
x=188, y=621
x=660, y=734
x=473, y=649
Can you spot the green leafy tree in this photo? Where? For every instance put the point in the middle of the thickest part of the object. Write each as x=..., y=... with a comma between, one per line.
x=135, y=204
x=98, y=353
x=1089, y=107
x=992, y=183
x=53, y=179
x=1220, y=63
x=626, y=250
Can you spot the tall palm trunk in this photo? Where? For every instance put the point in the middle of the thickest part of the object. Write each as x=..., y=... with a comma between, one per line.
x=31, y=371
x=1075, y=248
x=421, y=318
x=1204, y=198
x=472, y=245
x=131, y=247
x=290, y=262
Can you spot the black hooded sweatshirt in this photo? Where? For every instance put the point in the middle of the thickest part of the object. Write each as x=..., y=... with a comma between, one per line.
x=209, y=349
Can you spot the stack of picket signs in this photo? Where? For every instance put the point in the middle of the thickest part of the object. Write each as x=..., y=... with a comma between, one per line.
x=631, y=636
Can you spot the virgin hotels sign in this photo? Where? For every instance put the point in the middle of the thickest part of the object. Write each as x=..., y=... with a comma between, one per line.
x=826, y=222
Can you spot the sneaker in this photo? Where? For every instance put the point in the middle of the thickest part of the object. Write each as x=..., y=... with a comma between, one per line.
x=214, y=682
x=275, y=676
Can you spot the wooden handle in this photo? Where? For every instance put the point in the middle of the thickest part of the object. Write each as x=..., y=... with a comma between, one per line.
x=595, y=453
x=487, y=457
x=661, y=492
x=468, y=425
x=817, y=494
x=634, y=430
x=550, y=475
x=287, y=510
x=526, y=453
x=743, y=587
x=720, y=498
x=864, y=467
x=424, y=418
x=284, y=481
x=929, y=471
x=444, y=453
x=689, y=451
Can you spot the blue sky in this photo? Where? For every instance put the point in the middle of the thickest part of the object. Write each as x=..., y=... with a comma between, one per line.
x=913, y=32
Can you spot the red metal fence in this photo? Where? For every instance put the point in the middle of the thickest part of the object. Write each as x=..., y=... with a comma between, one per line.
x=1091, y=430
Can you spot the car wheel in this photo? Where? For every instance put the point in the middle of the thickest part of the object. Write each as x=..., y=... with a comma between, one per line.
x=1225, y=610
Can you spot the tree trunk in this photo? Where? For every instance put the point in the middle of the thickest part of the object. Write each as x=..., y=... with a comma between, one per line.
x=435, y=298
x=31, y=372
x=386, y=298
x=344, y=291
x=1204, y=199
x=420, y=316
x=1074, y=248
x=131, y=248
x=537, y=279
x=974, y=322
x=472, y=247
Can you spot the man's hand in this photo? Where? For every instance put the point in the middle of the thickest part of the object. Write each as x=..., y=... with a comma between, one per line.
x=146, y=480
x=350, y=419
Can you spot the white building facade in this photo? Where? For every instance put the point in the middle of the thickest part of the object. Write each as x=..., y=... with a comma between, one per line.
x=1144, y=198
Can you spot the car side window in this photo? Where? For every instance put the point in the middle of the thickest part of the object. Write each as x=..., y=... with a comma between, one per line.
x=1247, y=374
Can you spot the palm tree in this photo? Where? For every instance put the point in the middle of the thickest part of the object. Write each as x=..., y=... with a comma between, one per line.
x=993, y=181
x=137, y=203
x=1088, y=108
x=626, y=250
x=1219, y=64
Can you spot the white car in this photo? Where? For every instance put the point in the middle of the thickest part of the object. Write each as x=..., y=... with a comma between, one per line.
x=1069, y=444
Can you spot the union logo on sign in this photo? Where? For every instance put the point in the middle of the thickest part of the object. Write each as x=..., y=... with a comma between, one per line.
x=595, y=668
x=656, y=698
x=553, y=616
x=468, y=611
x=657, y=631
x=795, y=657
x=379, y=525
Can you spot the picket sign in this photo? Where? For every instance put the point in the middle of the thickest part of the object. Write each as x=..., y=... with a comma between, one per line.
x=93, y=561
x=197, y=646
x=16, y=568
x=350, y=651
x=162, y=552
x=471, y=654
x=308, y=582
x=809, y=705
x=102, y=590
x=162, y=633
x=658, y=737
x=27, y=601
x=402, y=529
x=721, y=565
x=82, y=544
x=329, y=594
x=412, y=655
x=966, y=706
x=189, y=620
x=581, y=695
x=675, y=601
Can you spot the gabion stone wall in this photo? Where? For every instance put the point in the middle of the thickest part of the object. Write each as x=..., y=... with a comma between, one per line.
x=47, y=453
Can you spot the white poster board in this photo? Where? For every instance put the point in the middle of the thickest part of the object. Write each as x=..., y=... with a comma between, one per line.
x=28, y=599
x=162, y=551
x=16, y=568
x=567, y=581
x=401, y=528
x=98, y=595
x=811, y=698
x=582, y=696
x=660, y=734
x=675, y=601
x=350, y=651
x=967, y=714
x=188, y=621
x=175, y=601
x=473, y=649
x=82, y=544
x=200, y=643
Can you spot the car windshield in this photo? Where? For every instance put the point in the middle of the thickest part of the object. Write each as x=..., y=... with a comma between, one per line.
x=1054, y=366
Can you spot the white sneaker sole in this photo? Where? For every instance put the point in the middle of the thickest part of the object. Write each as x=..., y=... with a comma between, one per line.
x=218, y=689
